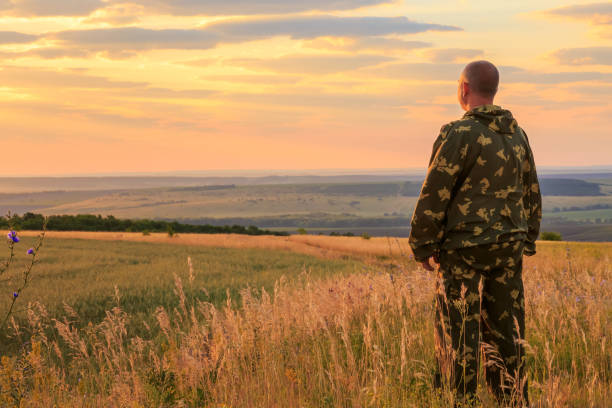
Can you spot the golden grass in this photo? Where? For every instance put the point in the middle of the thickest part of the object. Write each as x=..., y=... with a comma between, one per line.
x=317, y=245
x=321, y=246
x=85, y=274
x=363, y=340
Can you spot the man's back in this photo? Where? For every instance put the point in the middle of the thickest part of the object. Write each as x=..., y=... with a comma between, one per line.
x=481, y=186
x=478, y=213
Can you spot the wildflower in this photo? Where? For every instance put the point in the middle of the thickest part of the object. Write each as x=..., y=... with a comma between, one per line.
x=15, y=294
x=13, y=236
x=31, y=251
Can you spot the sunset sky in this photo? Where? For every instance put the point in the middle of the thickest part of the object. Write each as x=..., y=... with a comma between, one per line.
x=101, y=86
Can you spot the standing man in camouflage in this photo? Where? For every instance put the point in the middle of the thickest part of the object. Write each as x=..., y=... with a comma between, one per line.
x=478, y=213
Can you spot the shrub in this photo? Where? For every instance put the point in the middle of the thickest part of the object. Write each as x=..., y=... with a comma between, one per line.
x=550, y=236
x=301, y=231
x=365, y=235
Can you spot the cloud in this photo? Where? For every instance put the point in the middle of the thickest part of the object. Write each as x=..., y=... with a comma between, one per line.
x=83, y=115
x=418, y=71
x=596, y=13
x=244, y=7
x=271, y=79
x=122, y=42
x=508, y=74
x=125, y=40
x=35, y=78
x=26, y=77
x=47, y=53
x=311, y=64
x=166, y=93
x=202, y=62
x=452, y=54
x=177, y=7
x=13, y=37
x=117, y=15
x=596, y=90
x=517, y=75
x=317, y=99
x=49, y=7
x=57, y=52
x=308, y=27
x=365, y=44
x=584, y=56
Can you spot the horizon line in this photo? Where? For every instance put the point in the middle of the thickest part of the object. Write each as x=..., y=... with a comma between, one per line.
x=275, y=172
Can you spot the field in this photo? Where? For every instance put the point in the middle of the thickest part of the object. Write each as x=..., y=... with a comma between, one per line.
x=578, y=205
x=93, y=276
x=341, y=322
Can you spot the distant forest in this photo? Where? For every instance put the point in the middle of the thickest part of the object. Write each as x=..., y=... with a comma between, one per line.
x=35, y=222
x=569, y=187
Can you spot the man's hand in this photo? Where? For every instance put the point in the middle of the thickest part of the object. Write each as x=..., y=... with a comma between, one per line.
x=427, y=264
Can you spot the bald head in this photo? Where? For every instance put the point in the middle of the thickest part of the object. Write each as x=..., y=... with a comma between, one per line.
x=482, y=78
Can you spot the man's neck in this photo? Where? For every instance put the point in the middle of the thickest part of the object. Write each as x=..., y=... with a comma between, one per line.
x=475, y=104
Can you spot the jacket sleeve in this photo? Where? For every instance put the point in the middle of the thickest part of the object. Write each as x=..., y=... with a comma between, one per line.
x=429, y=218
x=532, y=201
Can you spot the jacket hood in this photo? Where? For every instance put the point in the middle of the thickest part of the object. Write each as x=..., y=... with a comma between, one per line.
x=497, y=119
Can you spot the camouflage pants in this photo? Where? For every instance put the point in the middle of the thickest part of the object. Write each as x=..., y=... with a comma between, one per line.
x=480, y=310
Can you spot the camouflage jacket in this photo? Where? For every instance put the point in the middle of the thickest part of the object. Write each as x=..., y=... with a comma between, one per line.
x=481, y=186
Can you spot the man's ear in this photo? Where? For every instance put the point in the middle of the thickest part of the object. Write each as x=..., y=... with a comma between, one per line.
x=465, y=90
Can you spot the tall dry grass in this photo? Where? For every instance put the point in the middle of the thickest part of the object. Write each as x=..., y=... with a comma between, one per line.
x=364, y=340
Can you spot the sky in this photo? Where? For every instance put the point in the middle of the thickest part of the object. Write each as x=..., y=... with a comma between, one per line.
x=112, y=86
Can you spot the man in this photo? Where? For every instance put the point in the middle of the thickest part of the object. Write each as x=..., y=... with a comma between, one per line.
x=478, y=213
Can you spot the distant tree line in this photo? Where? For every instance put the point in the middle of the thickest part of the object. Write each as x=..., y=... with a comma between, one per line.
x=87, y=222
x=315, y=220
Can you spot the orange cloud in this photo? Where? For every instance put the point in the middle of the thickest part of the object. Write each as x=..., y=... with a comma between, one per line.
x=595, y=13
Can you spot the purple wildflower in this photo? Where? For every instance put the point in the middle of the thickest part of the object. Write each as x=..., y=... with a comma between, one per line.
x=15, y=294
x=31, y=251
x=13, y=236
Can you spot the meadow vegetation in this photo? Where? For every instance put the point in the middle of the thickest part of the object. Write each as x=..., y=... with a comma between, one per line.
x=93, y=276
x=357, y=333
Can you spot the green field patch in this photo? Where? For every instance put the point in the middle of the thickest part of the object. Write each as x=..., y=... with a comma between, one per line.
x=603, y=216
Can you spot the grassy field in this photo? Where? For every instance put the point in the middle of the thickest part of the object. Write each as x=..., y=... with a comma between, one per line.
x=254, y=201
x=93, y=276
x=273, y=200
x=356, y=331
x=338, y=201
x=587, y=215
x=379, y=207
